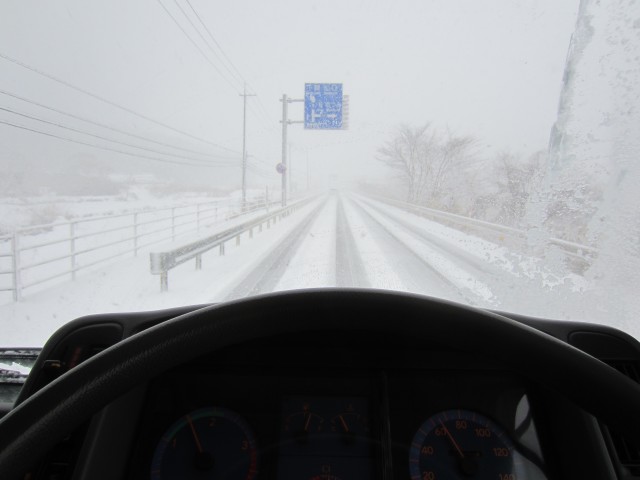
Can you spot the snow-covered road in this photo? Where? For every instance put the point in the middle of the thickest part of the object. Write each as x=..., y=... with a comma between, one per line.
x=347, y=243
x=340, y=239
x=351, y=241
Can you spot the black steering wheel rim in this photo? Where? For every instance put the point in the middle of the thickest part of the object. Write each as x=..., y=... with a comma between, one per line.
x=41, y=421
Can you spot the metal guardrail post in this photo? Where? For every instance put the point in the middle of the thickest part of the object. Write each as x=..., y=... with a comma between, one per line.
x=164, y=281
x=162, y=262
x=15, y=261
x=72, y=248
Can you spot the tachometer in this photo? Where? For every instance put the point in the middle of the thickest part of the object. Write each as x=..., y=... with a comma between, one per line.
x=206, y=443
x=461, y=444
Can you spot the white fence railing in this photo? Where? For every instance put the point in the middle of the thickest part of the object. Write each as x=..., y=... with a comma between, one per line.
x=513, y=237
x=42, y=254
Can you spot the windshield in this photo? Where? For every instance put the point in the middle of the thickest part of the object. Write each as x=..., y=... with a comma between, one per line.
x=174, y=152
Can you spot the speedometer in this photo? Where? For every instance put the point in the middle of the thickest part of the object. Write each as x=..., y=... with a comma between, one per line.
x=461, y=444
x=207, y=443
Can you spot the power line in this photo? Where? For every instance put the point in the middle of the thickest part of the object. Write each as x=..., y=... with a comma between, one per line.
x=196, y=45
x=238, y=78
x=233, y=75
x=163, y=160
x=102, y=125
x=98, y=136
x=109, y=102
x=215, y=41
x=259, y=116
x=260, y=168
x=270, y=123
x=261, y=173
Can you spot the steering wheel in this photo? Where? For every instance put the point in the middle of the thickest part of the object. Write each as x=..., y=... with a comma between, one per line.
x=44, y=419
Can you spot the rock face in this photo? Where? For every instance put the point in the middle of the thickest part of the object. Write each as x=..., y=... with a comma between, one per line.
x=592, y=189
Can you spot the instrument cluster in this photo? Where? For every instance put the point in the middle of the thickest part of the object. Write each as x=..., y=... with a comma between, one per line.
x=364, y=424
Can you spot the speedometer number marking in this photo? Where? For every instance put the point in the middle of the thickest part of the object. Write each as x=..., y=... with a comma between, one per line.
x=459, y=443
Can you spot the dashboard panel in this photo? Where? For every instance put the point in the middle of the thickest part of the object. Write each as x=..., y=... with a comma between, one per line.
x=281, y=412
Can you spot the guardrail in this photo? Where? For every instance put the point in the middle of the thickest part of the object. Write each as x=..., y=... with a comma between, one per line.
x=498, y=233
x=162, y=262
x=36, y=255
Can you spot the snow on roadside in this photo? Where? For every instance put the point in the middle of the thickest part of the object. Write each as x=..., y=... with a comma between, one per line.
x=129, y=286
x=462, y=279
x=15, y=367
x=314, y=263
x=527, y=285
x=18, y=213
x=491, y=255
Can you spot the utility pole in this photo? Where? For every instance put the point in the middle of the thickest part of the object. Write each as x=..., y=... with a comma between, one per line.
x=290, y=170
x=244, y=145
x=285, y=122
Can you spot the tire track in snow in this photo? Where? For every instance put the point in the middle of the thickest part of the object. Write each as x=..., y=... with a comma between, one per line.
x=417, y=274
x=463, y=276
x=350, y=270
x=266, y=275
x=481, y=271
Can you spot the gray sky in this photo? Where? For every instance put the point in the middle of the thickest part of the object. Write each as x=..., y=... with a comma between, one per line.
x=491, y=69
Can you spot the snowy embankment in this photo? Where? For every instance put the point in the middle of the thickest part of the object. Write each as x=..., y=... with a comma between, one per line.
x=502, y=279
x=128, y=285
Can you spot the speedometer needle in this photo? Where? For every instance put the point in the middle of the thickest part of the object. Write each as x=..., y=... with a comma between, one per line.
x=195, y=435
x=307, y=422
x=455, y=444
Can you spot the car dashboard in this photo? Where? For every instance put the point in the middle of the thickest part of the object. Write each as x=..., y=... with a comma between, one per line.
x=334, y=405
x=327, y=412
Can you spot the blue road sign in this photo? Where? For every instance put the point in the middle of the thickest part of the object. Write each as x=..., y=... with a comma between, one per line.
x=323, y=106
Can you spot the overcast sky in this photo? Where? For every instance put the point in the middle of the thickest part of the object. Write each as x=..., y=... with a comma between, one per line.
x=491, y=69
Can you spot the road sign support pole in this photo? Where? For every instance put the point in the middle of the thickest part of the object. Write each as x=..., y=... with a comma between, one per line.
x=285, y=123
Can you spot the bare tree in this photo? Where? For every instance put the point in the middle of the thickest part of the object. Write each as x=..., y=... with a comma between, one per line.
x=424, y=157
x=452, y=152
x=405, y=153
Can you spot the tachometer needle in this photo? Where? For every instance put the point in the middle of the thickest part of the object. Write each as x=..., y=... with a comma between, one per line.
x=448, y=434
x=195, y=435
x=344, y=424
x=307, y=422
